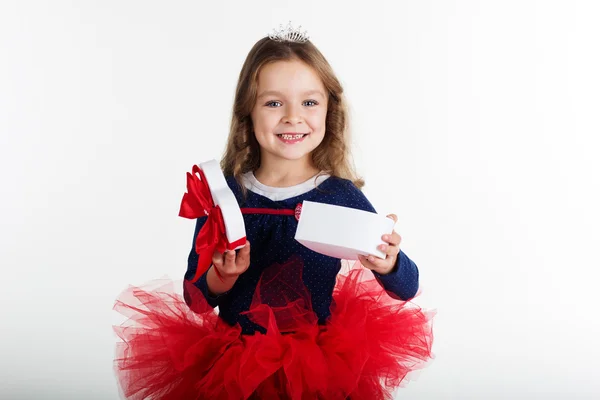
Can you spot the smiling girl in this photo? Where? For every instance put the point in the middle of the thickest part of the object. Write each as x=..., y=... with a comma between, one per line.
x=289, y=325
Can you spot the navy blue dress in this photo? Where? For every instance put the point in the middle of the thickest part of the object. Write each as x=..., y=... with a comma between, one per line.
x=272, y=241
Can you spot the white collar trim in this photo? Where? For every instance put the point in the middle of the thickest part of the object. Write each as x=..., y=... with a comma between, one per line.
x=281, y=193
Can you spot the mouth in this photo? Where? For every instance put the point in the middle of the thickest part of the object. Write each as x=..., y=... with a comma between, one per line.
x=292, y=137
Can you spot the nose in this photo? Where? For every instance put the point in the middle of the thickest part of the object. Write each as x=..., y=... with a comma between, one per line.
x=293, y=115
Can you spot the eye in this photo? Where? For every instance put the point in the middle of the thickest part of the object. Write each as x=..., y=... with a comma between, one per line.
x=271, y=102
x=312, y=101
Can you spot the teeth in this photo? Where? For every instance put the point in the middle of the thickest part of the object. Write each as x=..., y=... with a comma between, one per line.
x=292, y=137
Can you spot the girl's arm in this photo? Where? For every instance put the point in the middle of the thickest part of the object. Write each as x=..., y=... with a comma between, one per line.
x=226, y=268
x=216, y=287
x=403, y=281
x=206, y=279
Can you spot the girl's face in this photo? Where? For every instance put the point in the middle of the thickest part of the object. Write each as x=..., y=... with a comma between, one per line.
x=290, y=110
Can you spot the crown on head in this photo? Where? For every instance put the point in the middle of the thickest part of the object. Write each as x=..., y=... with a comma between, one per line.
x=288, y=34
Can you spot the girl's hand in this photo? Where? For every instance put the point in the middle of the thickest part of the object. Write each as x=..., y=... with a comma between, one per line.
x=391, y=249
x=229, y=265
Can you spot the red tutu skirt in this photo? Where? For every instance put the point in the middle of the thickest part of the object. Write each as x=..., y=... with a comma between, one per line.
x=364, y=351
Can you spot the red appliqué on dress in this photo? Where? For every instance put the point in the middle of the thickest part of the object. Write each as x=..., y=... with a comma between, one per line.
x=298, y=211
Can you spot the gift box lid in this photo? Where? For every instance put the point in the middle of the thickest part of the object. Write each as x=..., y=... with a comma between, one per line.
x=224, y=198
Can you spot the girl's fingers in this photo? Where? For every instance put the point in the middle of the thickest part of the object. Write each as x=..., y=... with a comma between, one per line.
x=365, y=262
x=230, y=260
x=217, y=259
x=393, y=239
x=371, y=264
x=389, y=250
x=376, y=264
x=243, y=258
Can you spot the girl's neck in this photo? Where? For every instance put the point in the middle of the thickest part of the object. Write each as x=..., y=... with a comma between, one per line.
x=281, y=176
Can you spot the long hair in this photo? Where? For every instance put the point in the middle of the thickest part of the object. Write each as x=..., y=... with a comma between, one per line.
x=242, y=154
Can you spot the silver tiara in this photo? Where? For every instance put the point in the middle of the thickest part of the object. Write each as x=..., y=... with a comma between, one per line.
x=288, y=34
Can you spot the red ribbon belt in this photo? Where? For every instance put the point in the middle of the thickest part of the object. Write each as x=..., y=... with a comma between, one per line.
x=197, y=203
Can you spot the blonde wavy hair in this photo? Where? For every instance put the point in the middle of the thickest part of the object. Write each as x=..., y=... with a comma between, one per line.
x=242, y=153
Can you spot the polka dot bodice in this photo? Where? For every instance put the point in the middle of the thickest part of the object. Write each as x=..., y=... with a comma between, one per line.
x=272, y=241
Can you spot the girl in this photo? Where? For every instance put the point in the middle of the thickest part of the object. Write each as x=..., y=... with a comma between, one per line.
x=289, y=325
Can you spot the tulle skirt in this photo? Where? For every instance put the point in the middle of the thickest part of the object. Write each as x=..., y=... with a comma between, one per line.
x=172, y=350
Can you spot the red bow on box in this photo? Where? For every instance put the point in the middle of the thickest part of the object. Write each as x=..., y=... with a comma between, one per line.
x=196, y=203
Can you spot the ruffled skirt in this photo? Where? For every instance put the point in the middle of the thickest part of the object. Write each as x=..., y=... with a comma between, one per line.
x=364, y=351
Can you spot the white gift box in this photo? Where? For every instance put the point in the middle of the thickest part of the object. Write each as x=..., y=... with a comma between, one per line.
x=342, y=232
x=224, y=198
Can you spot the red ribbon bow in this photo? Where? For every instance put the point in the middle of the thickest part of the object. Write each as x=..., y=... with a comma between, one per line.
x=196, y=203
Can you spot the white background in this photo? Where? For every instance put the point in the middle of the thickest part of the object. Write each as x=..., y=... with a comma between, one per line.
x=476, y=122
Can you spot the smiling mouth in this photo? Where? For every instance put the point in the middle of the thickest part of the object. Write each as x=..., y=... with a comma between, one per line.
x=291, y=136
